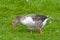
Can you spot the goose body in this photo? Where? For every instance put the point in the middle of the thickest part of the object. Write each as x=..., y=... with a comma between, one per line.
x=27, y=21
x=32, y=21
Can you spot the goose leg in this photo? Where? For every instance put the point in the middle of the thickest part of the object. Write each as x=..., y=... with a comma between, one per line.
x=40, y=31
x=30, y=31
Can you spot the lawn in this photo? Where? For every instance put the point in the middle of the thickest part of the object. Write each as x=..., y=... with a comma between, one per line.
x=11, y=8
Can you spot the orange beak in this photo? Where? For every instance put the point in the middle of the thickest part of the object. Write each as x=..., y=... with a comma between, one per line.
x=13, y=25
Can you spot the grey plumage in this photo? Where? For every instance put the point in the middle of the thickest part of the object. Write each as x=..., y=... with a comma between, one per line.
x=32, y=21
x=38, y=19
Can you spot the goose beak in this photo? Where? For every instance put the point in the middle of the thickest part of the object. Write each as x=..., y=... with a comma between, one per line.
x=13, y=25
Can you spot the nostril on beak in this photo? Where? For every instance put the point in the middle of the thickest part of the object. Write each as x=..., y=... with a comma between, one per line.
x=12, y=25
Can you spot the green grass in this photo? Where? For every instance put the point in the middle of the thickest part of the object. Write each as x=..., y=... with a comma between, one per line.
x=11, y=8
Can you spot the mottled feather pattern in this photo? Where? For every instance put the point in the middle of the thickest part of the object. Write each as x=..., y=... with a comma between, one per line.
x=32, y=21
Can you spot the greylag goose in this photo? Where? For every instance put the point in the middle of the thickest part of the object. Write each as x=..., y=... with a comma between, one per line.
x=32, y=21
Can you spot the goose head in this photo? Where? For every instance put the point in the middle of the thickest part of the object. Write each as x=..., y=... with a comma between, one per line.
x=16, y=20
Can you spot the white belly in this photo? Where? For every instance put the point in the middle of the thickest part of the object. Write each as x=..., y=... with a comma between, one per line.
x=28, y=21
